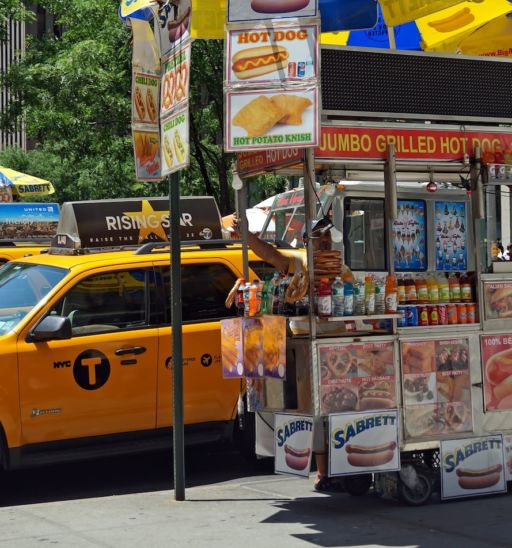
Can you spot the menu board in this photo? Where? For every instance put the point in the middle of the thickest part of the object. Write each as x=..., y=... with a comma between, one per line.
x=409, y=236
x=231, y=346
x=497, y=371
x=451, y=236
x=498, y=300
x=274, y=346
x=363, y=442
x=436, y=387
x=357, y=377
x=293, y=444
x=472, y=467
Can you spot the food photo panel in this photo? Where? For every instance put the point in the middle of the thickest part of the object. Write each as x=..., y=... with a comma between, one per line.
x=271, y=119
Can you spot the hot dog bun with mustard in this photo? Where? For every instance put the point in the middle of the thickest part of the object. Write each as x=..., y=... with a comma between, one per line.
x=253, y=62
x=278, y=6
x=368, y=456
x=479, y=479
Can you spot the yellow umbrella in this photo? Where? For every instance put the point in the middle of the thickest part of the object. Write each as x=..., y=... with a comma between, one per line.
x=23, y=184
x=479, y=43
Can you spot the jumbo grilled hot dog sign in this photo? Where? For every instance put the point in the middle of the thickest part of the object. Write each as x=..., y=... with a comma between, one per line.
x=293, y=443
x=472, y=466
x=363, y=442
x=263, y=54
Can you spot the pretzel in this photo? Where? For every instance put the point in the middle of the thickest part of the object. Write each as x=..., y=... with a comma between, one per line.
x=298, y=287
x=230, y=299
x=168, y=88
x=181, y=81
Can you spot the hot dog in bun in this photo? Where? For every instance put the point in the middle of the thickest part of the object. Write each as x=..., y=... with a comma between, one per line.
x=278, y=6
x=501, y=302
x=253, y=62
x=479, y=479
x=366, y=456
x=296, y=459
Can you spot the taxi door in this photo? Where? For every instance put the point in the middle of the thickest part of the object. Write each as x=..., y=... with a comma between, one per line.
x=208, y=396
x=103, y=379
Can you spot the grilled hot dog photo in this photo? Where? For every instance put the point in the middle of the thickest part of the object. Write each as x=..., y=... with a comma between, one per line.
x=367, y=456
x=296, y=459
x=480, y=478
x=278, y=6
x=253, y=62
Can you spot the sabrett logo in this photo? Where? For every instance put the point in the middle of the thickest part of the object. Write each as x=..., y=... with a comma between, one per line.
x=452, y=460
x=299, y=425
x=341, y=436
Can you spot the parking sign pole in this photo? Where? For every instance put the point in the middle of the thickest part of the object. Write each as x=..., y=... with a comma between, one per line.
x=177, y=350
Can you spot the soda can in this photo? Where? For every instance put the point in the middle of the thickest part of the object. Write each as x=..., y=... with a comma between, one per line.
x=471, y=312
x=451, y=314
x=412, y=316
x=433, y=315
x=402, y=320
x=441, y=314
x=301, y=69
x=462, y=313
x=292, y=69
x=423, y=315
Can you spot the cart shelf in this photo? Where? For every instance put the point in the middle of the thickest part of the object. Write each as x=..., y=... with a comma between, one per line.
x=347, y=318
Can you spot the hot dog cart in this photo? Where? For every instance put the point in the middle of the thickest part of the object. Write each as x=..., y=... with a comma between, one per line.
x=424, y=391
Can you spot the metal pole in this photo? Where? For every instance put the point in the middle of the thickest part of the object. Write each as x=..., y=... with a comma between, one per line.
x=243, y=199
x=177, y=350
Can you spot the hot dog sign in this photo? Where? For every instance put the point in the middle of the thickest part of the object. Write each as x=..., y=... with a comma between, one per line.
x=272, y=54
x=472, y=466
x=293, y=442
x=363, y=442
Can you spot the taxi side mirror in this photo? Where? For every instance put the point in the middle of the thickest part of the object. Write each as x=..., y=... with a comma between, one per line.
x=51, y=328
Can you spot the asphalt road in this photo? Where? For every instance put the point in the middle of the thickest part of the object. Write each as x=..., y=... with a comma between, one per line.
x=128, y=502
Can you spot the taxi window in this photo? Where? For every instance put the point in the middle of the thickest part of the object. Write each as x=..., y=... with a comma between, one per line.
x=204, y=290
x=108, y=301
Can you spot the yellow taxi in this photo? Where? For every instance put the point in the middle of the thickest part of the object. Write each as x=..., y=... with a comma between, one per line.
x=85, y=335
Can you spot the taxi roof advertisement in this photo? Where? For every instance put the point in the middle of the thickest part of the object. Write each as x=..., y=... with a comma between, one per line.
x=100, y=223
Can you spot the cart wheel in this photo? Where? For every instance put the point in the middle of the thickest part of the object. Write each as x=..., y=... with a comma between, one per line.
x=358, y=485
x=420, y=493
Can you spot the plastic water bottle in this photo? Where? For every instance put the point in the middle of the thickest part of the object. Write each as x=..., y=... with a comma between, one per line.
x=369, y=295
x=348, y=294
x=338, y=297
x=359, y=299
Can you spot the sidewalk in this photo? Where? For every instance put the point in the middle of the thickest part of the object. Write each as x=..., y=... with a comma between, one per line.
x=265, y=511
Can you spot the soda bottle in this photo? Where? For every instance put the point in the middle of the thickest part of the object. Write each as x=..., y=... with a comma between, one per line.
x=369, y=295
x=421, y=289
x=401, y=290
x=276, y=282
x=380, y=297
x=239, y=300
x=338, y=297
x=348, y=295
x=359, y=298
x=489, y=160
x=466, y=290
x=433, y=288
x=499, y=159
x=253, y=298
x=411, y=297
x=246, y=298
x=391, y=295
x=264, y=296
x=454, y=288
x=508, y=163
x=324, y=298
x=444, y=289
x=283, y=286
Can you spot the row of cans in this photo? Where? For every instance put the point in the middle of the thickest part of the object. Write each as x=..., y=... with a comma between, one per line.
x=437, y=314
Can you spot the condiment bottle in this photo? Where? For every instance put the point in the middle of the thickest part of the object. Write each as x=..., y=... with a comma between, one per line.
x=324, y=298
x=391, y=298
x=454, y=287
x=421, y=289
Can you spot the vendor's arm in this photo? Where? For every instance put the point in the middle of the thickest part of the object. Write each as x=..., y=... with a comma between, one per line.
x=265, y=251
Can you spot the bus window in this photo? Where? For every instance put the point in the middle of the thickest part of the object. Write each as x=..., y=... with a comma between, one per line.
x=364, y=234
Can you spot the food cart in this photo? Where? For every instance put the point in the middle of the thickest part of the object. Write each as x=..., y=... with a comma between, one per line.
x=419, y=399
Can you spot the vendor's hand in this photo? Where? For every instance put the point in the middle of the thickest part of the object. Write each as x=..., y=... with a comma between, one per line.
x=235, y=223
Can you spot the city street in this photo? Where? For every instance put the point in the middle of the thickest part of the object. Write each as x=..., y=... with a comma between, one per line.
x=128, y=501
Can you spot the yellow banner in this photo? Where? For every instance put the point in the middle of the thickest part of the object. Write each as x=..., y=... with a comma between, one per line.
x=397, y=12
x=208, y=19
x=130, y=6
x=445, y=30
x=493, y=39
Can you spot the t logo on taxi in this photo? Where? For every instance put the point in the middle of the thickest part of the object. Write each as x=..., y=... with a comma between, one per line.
x=91, y=369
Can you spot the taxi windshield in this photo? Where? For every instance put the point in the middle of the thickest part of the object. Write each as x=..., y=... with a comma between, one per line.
x=22, y=286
